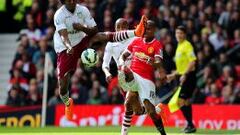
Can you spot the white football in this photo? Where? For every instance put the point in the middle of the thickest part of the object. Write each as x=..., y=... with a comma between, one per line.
x=89, y=57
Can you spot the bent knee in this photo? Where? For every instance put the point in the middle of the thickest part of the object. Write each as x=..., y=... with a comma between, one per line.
x=150, y=107
x=127, y=104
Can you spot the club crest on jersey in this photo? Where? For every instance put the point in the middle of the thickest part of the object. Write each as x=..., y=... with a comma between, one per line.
x=150, y=50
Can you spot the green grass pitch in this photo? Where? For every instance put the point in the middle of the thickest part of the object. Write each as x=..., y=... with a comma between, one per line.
x=105, y=131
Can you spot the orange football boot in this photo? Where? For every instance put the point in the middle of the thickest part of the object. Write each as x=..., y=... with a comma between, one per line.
x=160, y=111
x=140, y=29
x=69, y=110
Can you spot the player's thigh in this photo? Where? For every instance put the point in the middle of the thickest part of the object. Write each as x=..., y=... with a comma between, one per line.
x=128, y=100
x=131, y=96
x=79, y=48
x=67, y=64
x=146, y=89
x=65, y=67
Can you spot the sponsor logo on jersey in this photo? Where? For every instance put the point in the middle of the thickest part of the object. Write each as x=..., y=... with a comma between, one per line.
x=142, y=57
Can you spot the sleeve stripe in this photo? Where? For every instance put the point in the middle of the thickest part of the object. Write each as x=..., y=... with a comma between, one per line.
x=126, y=35
x=118, y=36
x=158, y=56
x=114, y=37
x=121, y=35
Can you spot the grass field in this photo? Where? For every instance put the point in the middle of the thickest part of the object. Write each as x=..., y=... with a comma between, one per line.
x=104, y=131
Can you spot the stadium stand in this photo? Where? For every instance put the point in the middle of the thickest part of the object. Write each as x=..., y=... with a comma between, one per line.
x=8, y=44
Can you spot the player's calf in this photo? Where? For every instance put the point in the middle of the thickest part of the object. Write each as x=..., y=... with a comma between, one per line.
x=126, y=122
x=64, y=95
x=127, y=117
x=153, y=115
x=63, y=88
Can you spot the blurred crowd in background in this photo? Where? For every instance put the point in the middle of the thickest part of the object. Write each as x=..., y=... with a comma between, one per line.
x=213, y=27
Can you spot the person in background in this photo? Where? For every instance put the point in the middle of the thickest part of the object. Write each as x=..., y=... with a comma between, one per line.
x=185, y=60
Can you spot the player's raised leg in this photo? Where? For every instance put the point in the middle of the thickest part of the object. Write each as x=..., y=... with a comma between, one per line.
x=121, y=35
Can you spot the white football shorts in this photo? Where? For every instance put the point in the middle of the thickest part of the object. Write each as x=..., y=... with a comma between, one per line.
x=146, y=89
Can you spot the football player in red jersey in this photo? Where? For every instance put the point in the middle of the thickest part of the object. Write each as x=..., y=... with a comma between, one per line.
x=146, y=57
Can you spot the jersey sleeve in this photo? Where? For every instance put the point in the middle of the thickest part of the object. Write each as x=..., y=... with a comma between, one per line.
x=107, y=57
x=89, y=21
x=159, y=50
x=190, y=53
x=59, y=22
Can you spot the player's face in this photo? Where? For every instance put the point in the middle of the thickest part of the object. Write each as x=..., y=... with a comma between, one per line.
x=180, y=35
x=121, y=27
x=121, y=24
x=70, y=4
x=149, y=31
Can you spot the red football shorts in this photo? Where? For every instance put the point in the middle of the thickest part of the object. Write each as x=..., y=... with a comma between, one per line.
x=68, y=63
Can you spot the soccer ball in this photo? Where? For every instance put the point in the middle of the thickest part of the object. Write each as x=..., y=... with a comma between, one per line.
x=89, y=57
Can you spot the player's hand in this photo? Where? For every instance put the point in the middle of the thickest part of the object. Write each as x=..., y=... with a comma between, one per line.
x=78, y=26
x=109, y=78
x=182, y=79
x=163, y=78
x=69, y=50
x=170, y=77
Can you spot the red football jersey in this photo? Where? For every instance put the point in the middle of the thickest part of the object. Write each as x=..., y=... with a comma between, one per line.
x=142, y=52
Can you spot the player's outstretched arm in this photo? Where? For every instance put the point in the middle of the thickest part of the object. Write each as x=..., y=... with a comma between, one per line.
x=107, y=73
x=90, y=31
x=106, y=62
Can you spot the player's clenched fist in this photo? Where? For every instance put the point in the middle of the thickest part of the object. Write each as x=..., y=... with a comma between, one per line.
x=69, y=50
x=109, y=78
